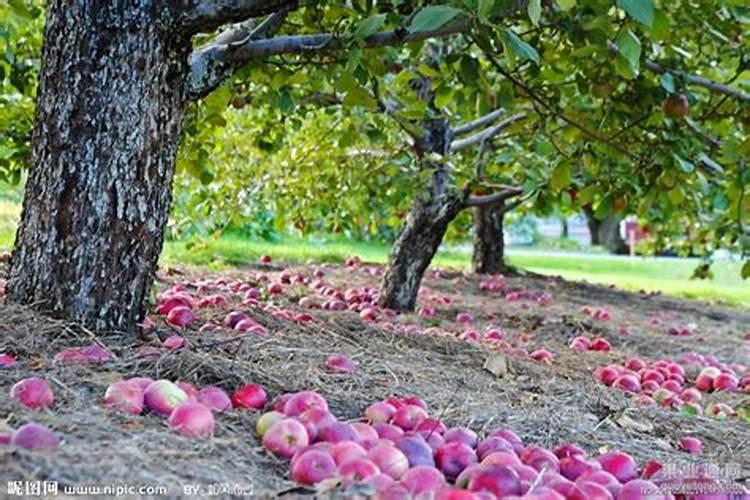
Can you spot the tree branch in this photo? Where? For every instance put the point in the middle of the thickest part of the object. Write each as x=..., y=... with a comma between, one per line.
x=480, y=201
x=207, y=15
x=479, y=122
x=487, y=133
x=690, y=78
x=543, y=102
x=209, y=65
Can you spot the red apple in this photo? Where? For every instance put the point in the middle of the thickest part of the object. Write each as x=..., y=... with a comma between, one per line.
x=580, y=344
x=726, y=382
x=464, y=318
x=620, y=465
x=180, y=317
x=379, y=412
x=452, y=458
x=388, y=431
x=7, y=361
x=250, y=397
x=600, y=344
x=510, y=437
x=574, y=466
x=357, y=470
x=431, y=426
x=408, y=417
x=214, y=398
x=606, y=374
x=627, y=383
x=539, y=458
x=347, y=451
x=338, y=432
x=491, y=445
x=542, y=355
x=340, y=363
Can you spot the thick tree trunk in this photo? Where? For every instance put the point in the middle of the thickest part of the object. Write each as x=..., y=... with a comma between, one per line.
x=108, y=122
x=593, y=223
x=425, y=226
x=609, y=235
x=489, y=243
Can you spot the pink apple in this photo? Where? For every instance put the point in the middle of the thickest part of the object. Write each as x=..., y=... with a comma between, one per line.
x=379, y=412
x=285, y=437
x=691, y=445
x=313, y=467
x=190, y=389
x=192, y=419
x=651, y=468
x=142, y=382
x=314, y=419
x=587, y=490
x=180, y=317
x=33, y=393
x=568, y=450
x=538, y=458
x=174, y=342
x=390, y=460
x=163, y=396
x=126, y=396
x=234, y=317
x=574, y=466
x=90, y=354
x=452, y=458
x=7, y=361
x=635, y=364
x=388, y=431
x=301, y=401
x=619, y=464
x=461, y=435
x=580, y=344
x=606, y=374
x=510, y=437
x=250, y=396
x=491, y=445
x=338, y=432
x=640, y=489
x=347, y=451
x=408, y=417
x=725, y=382
x=497, y=480
x=423, y=480
x=542, y=355
x=627, y=383
x=357, y=470
x=431, y=426
x=34, y=436
x=464, y=318
x=214, y=398
x=340, y=363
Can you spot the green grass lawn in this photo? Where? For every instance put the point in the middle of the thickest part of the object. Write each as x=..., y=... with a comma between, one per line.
x=671, y=276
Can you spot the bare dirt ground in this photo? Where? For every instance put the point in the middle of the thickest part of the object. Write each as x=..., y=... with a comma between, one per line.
x=544, y=404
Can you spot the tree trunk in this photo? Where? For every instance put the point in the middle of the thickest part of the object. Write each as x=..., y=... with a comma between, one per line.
x=609, y=235
x=108, y=122
x=565, y=230
x=425, y=226
x=593, y=224
x=489, y=243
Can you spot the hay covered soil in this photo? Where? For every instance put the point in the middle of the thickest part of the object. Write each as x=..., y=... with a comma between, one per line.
x=546, y=404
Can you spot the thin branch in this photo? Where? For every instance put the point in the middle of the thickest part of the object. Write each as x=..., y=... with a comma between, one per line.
x=518, y=202
x=207, y=15
x=711, y=141
x=690, y=78
x=487, y=133
x=543, y=102
x=485, y=120
x=480, y=201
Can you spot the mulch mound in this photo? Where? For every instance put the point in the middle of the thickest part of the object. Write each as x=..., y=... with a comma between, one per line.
x=545, y=404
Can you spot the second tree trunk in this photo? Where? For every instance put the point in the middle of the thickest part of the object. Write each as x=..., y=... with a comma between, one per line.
x=489, y=242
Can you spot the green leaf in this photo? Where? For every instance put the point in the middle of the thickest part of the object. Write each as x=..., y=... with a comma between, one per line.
x=628, y=61
x=534, y=10
x=746, y=270
x=667, y=82
x=432, y=17
x=360, y=97
x=518, y=47
x=369, y=26
x=560, y=176
x=640, y=10
x=566, y=5
x=485, y=8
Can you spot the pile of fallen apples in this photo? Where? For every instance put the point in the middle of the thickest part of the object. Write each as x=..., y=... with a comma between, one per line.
x=665, y=382
x=399, y=451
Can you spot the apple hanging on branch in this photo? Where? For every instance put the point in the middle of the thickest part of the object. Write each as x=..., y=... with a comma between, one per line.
x=676, y=106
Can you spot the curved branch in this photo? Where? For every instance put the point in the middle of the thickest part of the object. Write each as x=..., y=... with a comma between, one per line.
x=690, y=78
x=481, y=201
x=487, y=133
x=203, y=16
x=483, y=121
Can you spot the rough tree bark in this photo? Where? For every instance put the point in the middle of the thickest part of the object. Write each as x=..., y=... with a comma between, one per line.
x=108, y=123
x=593, y=224
x=489, y=243
x=425, y=226
x=609, y=235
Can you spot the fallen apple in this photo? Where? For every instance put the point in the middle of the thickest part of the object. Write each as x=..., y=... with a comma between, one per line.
x=33, y=392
